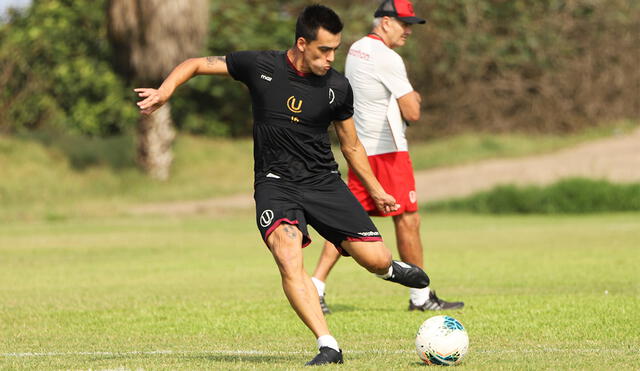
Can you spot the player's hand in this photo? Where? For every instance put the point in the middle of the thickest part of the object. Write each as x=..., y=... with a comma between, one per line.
x=385, y=203
x=152, y=100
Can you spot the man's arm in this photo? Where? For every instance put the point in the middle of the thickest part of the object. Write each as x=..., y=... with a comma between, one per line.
x=154, y=98
x=410, y=106
x=356, y=157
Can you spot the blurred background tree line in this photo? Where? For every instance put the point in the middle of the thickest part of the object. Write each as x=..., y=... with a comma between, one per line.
x=481, y=65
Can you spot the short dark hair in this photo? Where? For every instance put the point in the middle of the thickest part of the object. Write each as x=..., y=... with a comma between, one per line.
x=312, y=18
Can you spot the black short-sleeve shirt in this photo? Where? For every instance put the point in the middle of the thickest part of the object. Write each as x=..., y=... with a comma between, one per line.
x=291, y=114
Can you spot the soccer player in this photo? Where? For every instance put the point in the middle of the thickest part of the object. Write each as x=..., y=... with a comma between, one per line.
x=295, y=96
x=384, y=99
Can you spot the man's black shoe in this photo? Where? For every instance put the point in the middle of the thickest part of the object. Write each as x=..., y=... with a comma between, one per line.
x=408, y=275
x=326, y=355
x=324, y=306
x=435, y=303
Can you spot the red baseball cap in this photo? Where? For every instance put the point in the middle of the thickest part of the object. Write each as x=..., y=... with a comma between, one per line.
x=401, y=9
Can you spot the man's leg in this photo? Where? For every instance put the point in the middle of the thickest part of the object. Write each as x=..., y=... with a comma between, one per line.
x=376, y=258
x=285, y=244
x=407, y=226
x=328, y=258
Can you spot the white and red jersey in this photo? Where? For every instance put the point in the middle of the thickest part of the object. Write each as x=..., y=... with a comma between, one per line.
x=378, y=77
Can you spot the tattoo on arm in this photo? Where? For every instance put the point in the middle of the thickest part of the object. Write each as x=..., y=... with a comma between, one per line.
x=217, y=59
x=292, y=232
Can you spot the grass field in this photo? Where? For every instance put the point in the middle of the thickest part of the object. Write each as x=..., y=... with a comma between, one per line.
x=552, y=292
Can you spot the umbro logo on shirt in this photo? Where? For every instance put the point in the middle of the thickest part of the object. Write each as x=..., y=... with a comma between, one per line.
x=268, y=78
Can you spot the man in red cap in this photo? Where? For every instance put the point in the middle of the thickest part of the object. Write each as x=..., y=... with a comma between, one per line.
x=383, y=101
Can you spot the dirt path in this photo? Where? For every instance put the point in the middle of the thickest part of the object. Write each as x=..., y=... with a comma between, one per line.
x=616, y=159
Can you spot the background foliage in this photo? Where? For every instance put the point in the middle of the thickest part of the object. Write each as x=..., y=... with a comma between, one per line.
x=568, y=196
x=546, y=66
x=56, y=71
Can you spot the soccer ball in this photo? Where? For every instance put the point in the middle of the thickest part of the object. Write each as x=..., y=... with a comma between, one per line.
x=442, y=340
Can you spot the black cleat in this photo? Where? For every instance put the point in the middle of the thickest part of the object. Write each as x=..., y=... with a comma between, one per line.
x=324, y=306
x=326, y=355
x=435, y=303
x=408, y=275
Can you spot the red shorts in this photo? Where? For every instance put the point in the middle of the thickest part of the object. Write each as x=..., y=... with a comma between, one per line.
x=395, y=173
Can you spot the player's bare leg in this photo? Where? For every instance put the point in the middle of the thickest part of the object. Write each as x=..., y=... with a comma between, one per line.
x=376, y=258
x=285, y=244
x=328, y=258
x=409, y=243
x=407, y=226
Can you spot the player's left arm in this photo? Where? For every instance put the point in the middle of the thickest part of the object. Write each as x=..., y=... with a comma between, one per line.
x=356, y=157
x=152, y=99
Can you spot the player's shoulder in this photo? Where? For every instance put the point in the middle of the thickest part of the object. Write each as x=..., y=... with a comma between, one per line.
x=337, y=79
x=271, y=53
x=360, y=42
x=383, y=53
x=386, y=59
x=268, y=58
x=256, y=54
x=263, y=60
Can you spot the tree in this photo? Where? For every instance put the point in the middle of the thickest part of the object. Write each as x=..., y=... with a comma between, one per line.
x=150, y=37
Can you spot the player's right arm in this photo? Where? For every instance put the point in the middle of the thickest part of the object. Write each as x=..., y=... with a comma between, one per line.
x=393, y=74
x=152, y=99
x=410, y=106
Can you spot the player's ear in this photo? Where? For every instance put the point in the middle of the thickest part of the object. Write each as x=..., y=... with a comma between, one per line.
x=301, y=44
x=386, y=23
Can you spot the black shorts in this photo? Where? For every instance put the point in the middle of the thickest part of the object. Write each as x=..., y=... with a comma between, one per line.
x=331, y=209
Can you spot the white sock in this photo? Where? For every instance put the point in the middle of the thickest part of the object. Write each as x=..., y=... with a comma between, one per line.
x=388, y=274
x=319, y=285
x=419, y=296
x=328, y=341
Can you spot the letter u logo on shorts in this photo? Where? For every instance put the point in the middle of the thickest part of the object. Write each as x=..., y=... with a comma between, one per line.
x=294, y=105
x=266, y=218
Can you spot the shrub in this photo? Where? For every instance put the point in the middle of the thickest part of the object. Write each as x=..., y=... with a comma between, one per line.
x=55, y=71
x=574, y=195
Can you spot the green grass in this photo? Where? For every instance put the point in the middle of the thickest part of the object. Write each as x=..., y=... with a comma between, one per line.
x=49, y=176
x=553, y=292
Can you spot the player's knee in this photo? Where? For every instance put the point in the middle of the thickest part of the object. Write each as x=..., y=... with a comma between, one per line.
x=380, y=263
x=408, y=220
x=290, y=266
x=287, y=254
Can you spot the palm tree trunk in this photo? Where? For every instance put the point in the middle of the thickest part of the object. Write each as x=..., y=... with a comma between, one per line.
x=155, y=139
x=150, y=37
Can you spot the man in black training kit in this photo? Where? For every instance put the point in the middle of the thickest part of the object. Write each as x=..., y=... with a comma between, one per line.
x=295, y=96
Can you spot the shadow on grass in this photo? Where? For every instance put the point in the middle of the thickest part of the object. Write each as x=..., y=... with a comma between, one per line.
x=252, y=358
x=339, y=308
x=205, y=356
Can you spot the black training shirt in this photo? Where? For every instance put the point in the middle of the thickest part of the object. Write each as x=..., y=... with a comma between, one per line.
x=291, y=115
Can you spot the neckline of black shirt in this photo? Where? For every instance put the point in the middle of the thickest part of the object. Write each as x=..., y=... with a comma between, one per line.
x=308, y=77
x=293, y=67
